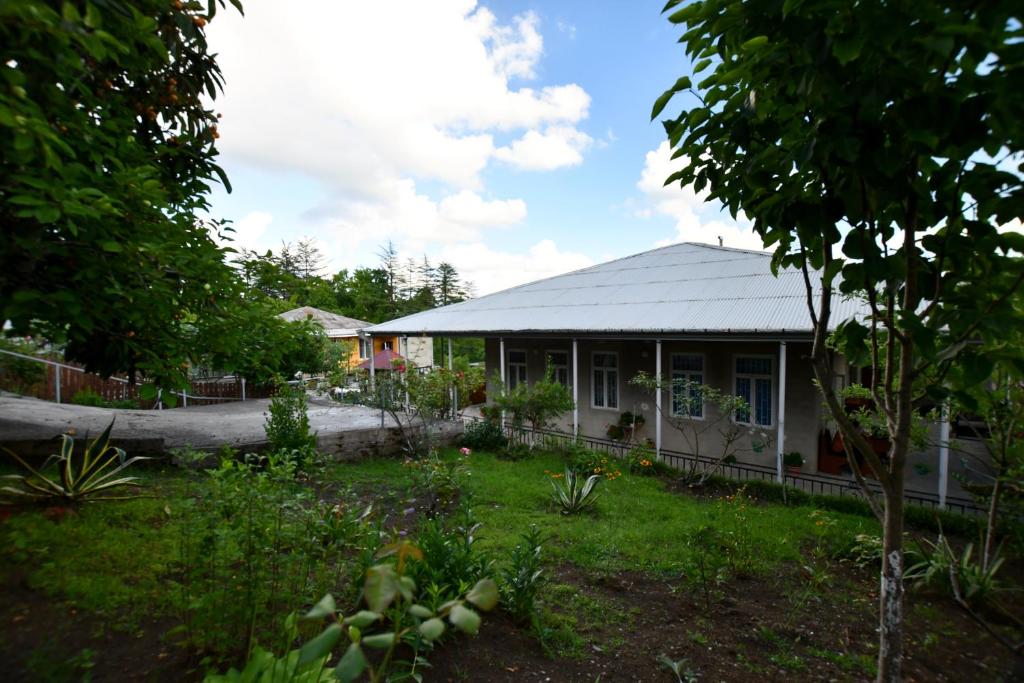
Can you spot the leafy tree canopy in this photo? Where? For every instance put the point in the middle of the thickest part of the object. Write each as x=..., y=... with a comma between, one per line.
x=108, y=153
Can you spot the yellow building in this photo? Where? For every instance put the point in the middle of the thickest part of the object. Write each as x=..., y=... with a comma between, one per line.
x=344, y=330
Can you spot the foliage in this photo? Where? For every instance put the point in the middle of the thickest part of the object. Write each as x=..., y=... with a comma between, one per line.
x=107, y=158
x=88, y=397
x=681, y=668
x=94, y=477
x=287, y=423
x=19, y=374
x=708, y=567
x=793, y=459
x=523, y=578
x=960, y=573
x=252, y=545
x=392, y=596
x=452, y=562
x=538, y=403
x=438, y=479
x=641, y=459
x=627, y=427
x=886, y=166
x=484, y=435
x=718, y=408
x=588, y=461
x=576, y=494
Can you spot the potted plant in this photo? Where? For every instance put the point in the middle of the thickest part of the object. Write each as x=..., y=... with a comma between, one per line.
x=793, y=462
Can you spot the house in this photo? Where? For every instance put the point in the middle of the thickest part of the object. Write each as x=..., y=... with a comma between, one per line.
x=709, y=314
x=342, y=329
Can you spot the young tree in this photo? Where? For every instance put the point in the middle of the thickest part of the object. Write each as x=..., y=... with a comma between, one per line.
x=309, y=260
x=448, y=288
x=107, y=149
x=877, y=148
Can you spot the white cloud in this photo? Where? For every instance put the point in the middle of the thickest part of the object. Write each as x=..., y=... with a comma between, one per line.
x=249, y=232
x=491, y=270
x=556, y=147
x=362, y=95
x=413, y=220
x=696, y=219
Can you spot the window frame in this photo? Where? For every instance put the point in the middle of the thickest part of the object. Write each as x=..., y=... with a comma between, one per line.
x=364, y=344
x=593, y=384
x=547, y=363
x=508, y=368
x=672, y=373
x=771, y=377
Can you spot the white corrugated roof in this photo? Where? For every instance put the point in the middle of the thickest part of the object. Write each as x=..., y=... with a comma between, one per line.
x=684, y=289
x=334, y=325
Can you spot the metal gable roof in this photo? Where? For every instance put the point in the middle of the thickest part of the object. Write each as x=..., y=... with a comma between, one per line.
x=685, y=289
x=334, y=325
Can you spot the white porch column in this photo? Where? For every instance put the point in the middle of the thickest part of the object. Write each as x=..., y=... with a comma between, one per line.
x=243, y=388
x=501, y=364
x=404, y=342
x=56, y=380
x=657, y=400
x=781, y=440
x=943, y=456
x=575, y=389
x=455, y=391
x=373, y=370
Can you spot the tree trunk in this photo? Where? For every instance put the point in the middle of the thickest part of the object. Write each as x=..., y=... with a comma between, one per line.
x=890, y=641
x=990, y=525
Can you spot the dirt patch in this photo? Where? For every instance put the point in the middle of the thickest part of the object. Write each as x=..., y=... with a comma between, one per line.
x=755, y=628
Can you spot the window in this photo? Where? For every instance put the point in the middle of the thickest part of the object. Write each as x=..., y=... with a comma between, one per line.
x=754, y=385
x=558, y=363
x=516, y=368
x=364, y=348
x=604, y=390
x=687, y=376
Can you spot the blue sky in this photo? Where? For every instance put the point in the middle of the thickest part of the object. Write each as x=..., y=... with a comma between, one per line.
x=510, y=138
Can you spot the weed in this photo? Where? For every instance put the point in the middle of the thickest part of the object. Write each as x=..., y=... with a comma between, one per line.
x=523, y=578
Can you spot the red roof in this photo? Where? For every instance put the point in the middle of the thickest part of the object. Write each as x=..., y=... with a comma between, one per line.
x=384, y=360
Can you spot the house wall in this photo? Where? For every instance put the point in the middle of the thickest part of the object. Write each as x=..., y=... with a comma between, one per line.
x=421, y=351
x=803, y=411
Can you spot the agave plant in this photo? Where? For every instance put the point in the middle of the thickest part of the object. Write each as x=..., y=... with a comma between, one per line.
x=91, y=477
x=576, y=494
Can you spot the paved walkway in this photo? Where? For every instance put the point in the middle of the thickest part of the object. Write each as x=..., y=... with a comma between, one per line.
x=237, y=423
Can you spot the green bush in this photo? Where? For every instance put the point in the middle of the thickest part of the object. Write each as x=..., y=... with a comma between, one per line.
x=88, y=397
x=18, y=374
x=484, y=436
x=287, y=424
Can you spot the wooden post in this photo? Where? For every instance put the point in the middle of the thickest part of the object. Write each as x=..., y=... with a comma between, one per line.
x=657, y=400
x=781, y=438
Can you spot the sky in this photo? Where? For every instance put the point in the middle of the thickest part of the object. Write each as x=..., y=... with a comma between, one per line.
x=509, y=138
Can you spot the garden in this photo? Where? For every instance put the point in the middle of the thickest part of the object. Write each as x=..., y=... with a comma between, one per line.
x=480, y=562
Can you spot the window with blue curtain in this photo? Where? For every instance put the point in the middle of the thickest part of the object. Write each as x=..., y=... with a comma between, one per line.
x=754, y=385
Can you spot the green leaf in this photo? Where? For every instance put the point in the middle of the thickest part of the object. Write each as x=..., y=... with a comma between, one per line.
x=352, y=664
x=484, y=594
x=381, y=587
x=111, y=246
x=431, y=629
x=420, y=611
x=754, y=43
x=324, y=608
x=465, y=619
x=320, y=646
x=848, y=50
x=362, y=619
x=379, y=641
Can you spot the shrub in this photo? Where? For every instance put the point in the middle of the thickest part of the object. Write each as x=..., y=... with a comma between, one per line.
x=437, y=479
x=451, y=560
x=484, y=436
x=590, y=461
x=287, y=423
x=538, y=403
x=642, y=460
x=516, y=452
x=88, y=397
x=93, y=477
x=20, y=374
x=523, y=578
